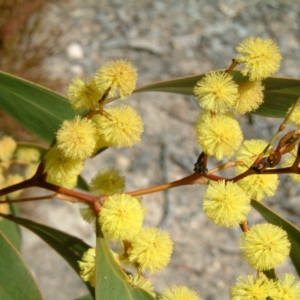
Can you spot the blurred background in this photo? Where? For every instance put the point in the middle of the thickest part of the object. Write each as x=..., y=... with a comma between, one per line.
x=51, y=42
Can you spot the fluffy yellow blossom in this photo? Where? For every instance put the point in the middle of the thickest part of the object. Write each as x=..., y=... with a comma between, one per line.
x=7, y=147
x=77, y=138
x=122, y=127
x=84, y=95
x=142, y=282
x=253, y=289
x=108, y=181
x=151, y=249
x=217, y=92
x=219, y=136
x=31, y=170
x=295, y=116
x=257, y=186
x=265, y=246
x=12, y=179
x=62, y=170
x=4, y=209
x=262, y=57
x=27, y=154
x=289, y=162
x=121, y=217
x=226, y=203
x=179, y=293
x=117, y=75
x=250, y=96
x=87, y=214
x=287, y=289
x=87, y=266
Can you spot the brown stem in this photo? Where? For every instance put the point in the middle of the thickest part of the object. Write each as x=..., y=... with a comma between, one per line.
x=244, y=226
x=232, y=66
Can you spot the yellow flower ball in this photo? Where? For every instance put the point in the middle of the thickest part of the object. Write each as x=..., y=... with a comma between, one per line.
x=265, y=246
x=179, y=293
x=141, y=282
x=226, y=203
x=151, y=249
x=217, y=92
x=122, y=127
x=121, y=217
x=262, y=57
x=250, y=96
x=108, y=181
x=77, y=138
x=288, y=289
x=87, y=266
x=7, y=147
x=219, y=136
x=117, y=75
x=248, y=288
x=84, y=94
x=288, y=162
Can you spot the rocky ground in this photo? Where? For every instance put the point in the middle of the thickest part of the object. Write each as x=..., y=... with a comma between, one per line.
x=163, y=39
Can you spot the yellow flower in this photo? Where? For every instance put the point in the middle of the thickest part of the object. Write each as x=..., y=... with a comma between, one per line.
x=253, y=289
x=216, y=91
x=257, y=186
x=84, y=95
x=121, y=217
x=250, y=96
x=62, y=170
x=87, y=266
x=142, y=282
x=287, y=289
x=77, y=138
x=295, y=116
x=226, y=203
x=27, y=154
x=262, y=57
x=7, y=147
x=87, y=214
x=265, y=246
x=116, y=75
x=108, y=181
x=12, y=179
x=122, y=127
x=179, y=293
x=289, y=162
x=151, y=249
x=219, y=136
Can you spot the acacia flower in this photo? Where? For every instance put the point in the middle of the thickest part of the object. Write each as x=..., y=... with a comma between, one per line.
x=62, y=170
x=253, y=289
x=141, y=282
x=7, y=147
x=121, y=217
x=295, y=116
x=262, y=57
x=27, y=154
x=250, y=96
x=289, y=162
x=216, y=91
x=117, y=75
x=257, y=186
x=108, y=181
x=219, y=136
x=84, y=94
x=179, y=293
x=122, y=127
x=77, y=138
x=265, y=246
x=87, y=266
x=226, y=203
x=287, y=289
x=151, y=249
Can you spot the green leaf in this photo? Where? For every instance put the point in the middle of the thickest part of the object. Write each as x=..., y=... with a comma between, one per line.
x=292, y=231
x=69, y=247
x=16, y=281
x=82, y=184
x=11, y=230
x=38, y=109
x=85, y=297
x=111, y=281
x=279, y=94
